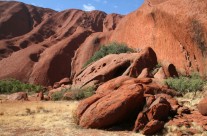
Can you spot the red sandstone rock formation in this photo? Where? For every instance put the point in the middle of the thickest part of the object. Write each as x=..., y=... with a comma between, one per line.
x=176, y=30
x=114, y=65
x=43, y=46
x=37, y=45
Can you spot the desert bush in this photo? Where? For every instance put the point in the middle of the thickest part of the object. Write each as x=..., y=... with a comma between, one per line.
x=74, y=94
x=82, y=93
x=186, y=83
x=57, y=96
x=111, y=48
x=12, y=86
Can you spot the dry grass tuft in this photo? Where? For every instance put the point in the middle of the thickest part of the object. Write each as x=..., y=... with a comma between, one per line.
x=170, y=130
x=191, y=99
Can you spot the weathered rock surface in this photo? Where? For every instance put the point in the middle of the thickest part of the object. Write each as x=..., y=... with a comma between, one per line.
x=202, y=107
x=141, y=122
x=144, y=73
x=63, y=81
x=176, y=30
x=45, y=41
x=159, y=110
x=153, y=127
x=115, y=65
x=113, y=108
x=160, y=74
x=53, y=45
x=18, y=96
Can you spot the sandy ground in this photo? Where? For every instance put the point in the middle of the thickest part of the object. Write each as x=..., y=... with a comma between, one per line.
x=47, y=119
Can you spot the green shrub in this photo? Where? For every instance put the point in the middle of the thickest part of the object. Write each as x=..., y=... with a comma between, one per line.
x=186, y=84
x=74, y=94
x=111, y=48
x=78, y=94
x=57, y=96
x=12, y=86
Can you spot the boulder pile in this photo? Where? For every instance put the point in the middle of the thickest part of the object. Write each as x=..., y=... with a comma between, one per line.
x=126, y=98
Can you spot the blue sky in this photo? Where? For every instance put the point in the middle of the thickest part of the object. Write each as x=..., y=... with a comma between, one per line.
x=108, y=6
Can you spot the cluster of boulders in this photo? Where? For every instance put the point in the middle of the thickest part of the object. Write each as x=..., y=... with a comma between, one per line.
x=130, y=89
x=125, y=98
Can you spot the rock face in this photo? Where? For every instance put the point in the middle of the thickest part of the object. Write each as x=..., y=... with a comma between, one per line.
x=174, y=29
x=202, y=107
x=63, y=81
x=45, y=41
x=124, y=98
x=115, y=65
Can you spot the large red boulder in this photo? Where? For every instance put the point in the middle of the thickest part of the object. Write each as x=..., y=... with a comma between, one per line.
x=202, y=107
x=113, y=108
x=115, y=65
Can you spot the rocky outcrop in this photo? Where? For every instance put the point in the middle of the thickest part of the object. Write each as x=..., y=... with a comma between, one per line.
x=174, y=29
x=18, y=19
x=114, y=65
x=125, y=98
x=45, y=41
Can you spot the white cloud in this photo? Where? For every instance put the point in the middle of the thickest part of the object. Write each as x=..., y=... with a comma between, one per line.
x=88, y=7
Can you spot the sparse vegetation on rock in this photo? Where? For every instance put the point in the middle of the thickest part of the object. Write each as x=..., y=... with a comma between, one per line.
x=79, y=93
x=111, y=48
